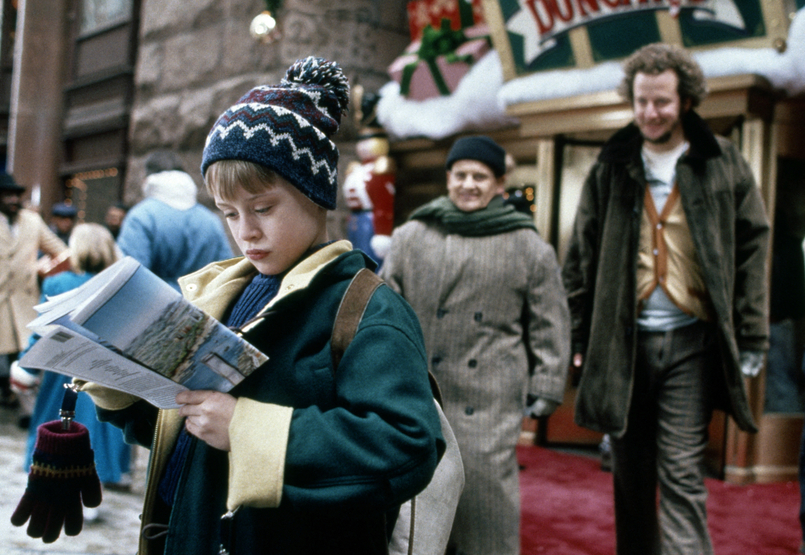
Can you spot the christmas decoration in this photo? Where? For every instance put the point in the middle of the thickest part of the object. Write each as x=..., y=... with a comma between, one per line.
x=369, y=183
x=265, y=27
x=435, y=65
x=460, y=13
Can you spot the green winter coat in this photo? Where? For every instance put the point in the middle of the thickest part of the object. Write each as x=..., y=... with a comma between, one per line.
x=319, y=458
x=730, y=231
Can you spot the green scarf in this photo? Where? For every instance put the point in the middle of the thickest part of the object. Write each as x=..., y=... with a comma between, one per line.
x=498, y=217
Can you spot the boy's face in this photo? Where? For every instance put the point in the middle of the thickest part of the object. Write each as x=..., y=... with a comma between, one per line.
x=274, y=227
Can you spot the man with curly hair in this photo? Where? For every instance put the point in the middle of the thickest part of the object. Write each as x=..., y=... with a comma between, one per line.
x=666, y=282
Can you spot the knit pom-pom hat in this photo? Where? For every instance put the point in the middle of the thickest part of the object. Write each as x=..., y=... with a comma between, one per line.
x=288, y=128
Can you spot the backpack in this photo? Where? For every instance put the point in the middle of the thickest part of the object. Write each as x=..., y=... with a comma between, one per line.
x=424, y=523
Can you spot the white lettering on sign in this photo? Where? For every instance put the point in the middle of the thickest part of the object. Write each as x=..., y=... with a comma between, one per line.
x=539, y=22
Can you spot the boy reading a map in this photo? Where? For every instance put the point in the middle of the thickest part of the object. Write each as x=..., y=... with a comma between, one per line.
x=303, y=457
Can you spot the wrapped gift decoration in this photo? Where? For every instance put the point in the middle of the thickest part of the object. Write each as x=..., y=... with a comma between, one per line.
x=436, y=65
x=460, y=13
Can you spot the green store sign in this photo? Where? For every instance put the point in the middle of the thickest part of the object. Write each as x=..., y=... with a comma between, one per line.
x=538, y=35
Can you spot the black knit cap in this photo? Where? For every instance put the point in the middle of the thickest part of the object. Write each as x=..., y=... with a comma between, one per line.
x=480, y=148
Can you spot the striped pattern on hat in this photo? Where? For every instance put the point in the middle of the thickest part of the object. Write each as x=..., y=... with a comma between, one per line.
x=288, y=128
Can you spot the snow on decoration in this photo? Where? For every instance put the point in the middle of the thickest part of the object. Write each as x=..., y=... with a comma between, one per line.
x=473, y=105
x=479, y=101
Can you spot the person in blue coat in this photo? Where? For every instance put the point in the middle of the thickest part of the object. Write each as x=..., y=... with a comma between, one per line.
x=92, y=249
x=169, y=232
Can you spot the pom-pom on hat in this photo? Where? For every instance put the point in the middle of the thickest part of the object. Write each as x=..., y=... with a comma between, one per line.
x=288, y=128
x=480, y=148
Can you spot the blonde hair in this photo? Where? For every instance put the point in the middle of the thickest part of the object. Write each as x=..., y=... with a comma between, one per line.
x=225, y=176
x=92, y=248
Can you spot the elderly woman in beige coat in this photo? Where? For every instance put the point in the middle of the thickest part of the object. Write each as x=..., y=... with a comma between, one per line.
x=23, y=234
x=489, y=296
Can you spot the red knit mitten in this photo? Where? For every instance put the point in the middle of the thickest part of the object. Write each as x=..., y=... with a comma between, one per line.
x=62, y=476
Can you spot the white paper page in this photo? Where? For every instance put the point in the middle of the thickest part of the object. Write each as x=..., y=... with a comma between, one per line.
x=103, y=285
x=66, y=352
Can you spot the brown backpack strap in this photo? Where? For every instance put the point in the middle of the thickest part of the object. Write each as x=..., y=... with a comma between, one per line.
x=350, y=311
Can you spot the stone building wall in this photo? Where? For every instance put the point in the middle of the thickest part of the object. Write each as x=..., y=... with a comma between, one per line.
x=196, y=58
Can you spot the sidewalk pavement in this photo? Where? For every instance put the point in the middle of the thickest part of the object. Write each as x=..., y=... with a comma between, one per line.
x=113, y=533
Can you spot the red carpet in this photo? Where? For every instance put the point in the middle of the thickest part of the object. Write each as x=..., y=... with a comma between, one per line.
x=567, y=510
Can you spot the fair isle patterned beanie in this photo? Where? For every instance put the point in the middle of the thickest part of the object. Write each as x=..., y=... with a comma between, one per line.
x=287, y=128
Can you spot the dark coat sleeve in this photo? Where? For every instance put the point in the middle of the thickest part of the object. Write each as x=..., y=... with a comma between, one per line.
x=751, y=251
x=580, y=266
x=137, y=422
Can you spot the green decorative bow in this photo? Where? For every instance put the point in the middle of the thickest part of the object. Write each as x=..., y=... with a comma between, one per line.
x=435, y=43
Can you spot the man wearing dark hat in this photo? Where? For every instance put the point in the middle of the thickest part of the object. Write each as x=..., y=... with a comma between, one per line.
x=62, y=220
x=488, y=293
x=23, y=234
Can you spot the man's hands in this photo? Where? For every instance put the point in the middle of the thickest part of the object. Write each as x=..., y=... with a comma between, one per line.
x=751, y=362
x=537, y=407
x=208, y=414
x=542, y=407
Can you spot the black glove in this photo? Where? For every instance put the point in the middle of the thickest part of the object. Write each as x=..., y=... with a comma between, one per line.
x=62, y=476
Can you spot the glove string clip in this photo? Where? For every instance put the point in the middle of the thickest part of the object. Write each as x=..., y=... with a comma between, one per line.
x=67, y=410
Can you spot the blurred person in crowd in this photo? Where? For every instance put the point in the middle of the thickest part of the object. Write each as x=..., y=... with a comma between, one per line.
x=92, y=249
x=62, y=220
x=784, y=380
x=666, y=281
x=785, y=366
x=488, y=292
x=113, y=219
x=23, y=234
x=169, y=232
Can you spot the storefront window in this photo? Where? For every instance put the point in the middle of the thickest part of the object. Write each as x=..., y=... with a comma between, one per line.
x=96, y=14
x=93, y=192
